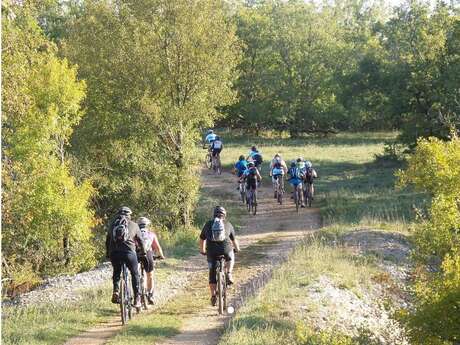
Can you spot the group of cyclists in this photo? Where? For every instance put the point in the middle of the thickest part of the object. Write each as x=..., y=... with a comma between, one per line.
x=134, y=243
x=300, y=172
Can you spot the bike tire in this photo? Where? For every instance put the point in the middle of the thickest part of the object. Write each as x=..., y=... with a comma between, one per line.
x=122, y=301
x=249, y=203
x=297, y=199
x=280, y=197
x=208, y=161
x=254, y=204
x=220, y=291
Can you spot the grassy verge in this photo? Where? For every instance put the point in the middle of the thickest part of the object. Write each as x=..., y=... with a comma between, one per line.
x=278, y=314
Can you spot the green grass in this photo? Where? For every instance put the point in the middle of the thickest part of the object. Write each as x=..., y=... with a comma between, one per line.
x=353, y=188
x=275, y=315
x=53, y=324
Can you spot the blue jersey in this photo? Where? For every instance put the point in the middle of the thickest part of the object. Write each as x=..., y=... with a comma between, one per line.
x=241, y=166
x=295, y=173
x=277, y=171
x=210, y=138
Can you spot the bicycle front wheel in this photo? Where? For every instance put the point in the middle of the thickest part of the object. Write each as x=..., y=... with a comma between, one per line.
x=122, y=301
x=254, y=204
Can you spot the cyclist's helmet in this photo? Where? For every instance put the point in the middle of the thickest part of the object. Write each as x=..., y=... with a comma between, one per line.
x=143, y=222
x=210, y=131
x=219, y=211
x=300, y=159
x=254, y=148
x=241, y=158
x=125, y=211
x=251, y=164
x=293, y=164
x=217, y=137
x=308, y=164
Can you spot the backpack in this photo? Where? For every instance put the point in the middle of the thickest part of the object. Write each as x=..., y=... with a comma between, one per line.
x=217, y=144
x=218, y=230
x=277, y=165
x=120, y=230
x=258, y=158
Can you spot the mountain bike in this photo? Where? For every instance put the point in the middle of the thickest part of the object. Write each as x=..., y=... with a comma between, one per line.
x=242, y=189
x=278, y=187
x=221, y=284
x=251, y=201
x=126, y=296
x=216, y=165
x=298, y=196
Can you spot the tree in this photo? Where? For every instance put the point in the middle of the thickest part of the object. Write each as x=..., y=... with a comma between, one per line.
x=156, y=73
x=46, y=219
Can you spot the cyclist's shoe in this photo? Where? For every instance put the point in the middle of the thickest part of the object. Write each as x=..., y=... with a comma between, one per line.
x=137, y=302
x=213, y=300
x=115, y=298
x=230, y=280
x=150, y=298
x=303, y=205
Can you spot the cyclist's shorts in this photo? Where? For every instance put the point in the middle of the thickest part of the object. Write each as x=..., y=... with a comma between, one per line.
x=212, y=265
x=215, y=152
x=295, y=182
x=147, y=261
x=277, y=176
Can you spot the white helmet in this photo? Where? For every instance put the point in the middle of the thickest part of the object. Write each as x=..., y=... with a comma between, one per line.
x=143, y=222
x=308, y=164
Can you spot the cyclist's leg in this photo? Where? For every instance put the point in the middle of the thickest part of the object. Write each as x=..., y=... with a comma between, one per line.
x=116, y=263
x=133, y=266
x=148, y=266
x=230, y=263
x=212, y=265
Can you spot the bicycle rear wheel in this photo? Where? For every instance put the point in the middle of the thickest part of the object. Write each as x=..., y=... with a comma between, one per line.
x=280, y=196
x=220, y=290
x=249, y=202
x=254, y=203
x=297, y=198
x=208, y=161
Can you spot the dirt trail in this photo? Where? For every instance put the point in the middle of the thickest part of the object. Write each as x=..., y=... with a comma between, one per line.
x=269, y=235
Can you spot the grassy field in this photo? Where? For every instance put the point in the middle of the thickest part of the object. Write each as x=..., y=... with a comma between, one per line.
x=353, y=188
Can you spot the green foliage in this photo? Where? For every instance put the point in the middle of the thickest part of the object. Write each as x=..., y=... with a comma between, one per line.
x=435, y=167
x=306, y=336
x=159, y=72
x=46, y=220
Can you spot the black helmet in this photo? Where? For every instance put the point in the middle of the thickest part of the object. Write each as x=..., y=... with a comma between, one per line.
x=253, y=148
x=241, y=158
x=219, y=210
x=217, y=137
x=293, y=164
x=125, y=211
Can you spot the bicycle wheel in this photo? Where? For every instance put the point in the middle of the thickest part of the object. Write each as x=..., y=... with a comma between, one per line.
x=208, y=161
x=143, y=290
x=242, y=193
x=280, y=195
x=220, y=289
x=249, y=201
x=124, y=297
x=297, y=198
x=219, y=166
x=254, y=203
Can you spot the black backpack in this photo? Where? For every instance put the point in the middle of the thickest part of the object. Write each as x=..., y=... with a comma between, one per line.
x=258, y=158
x=120, y=230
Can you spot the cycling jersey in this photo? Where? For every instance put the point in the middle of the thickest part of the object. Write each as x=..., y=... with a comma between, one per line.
x=210, y=138
x=296, y=176
x=240, y=167
x=217, y=145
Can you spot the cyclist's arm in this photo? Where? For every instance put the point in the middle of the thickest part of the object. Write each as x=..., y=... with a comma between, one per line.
x=259, y=177
x=232, y=236
x=202, y=245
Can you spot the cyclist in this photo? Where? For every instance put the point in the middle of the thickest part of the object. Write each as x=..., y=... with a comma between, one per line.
x=310, y=175
x=255, y=156
x=218, y=238
x=151, y=244
x=120, y=244
x=278, y=169
x=296, y=176
x=210, y=137
x=252, y=176
x=216, y=147
x=240, y=167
